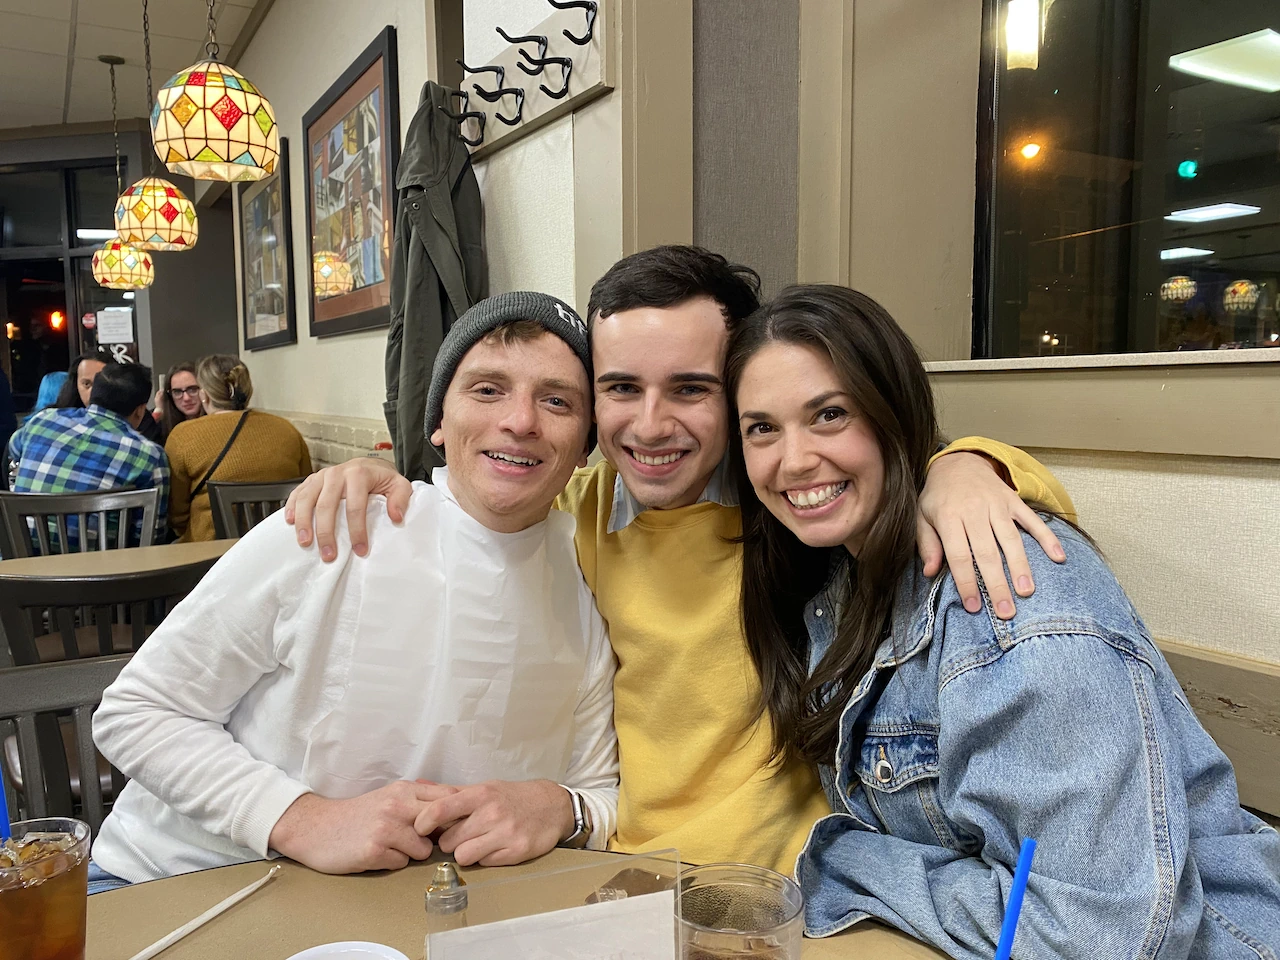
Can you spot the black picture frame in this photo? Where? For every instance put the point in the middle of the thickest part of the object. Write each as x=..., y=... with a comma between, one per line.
x=351, y=151
x=251, y=198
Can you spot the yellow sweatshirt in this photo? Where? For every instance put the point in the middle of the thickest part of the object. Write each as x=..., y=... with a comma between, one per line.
x=692, y=763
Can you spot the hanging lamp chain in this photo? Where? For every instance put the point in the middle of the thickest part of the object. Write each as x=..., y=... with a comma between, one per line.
x=115, y=131
x=151, y=100
x=211, y=45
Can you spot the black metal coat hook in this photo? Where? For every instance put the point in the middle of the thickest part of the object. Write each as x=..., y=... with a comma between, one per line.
x=587, y=5
x=461, y=118
x=565, y=64
x=493, y=96
x=500, y=71
x=540, y=41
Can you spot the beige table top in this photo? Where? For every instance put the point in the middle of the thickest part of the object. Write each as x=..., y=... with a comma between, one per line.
x=113, y=563
x=301, y=908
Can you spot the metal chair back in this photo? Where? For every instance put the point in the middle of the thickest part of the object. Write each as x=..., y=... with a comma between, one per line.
x=239, y=507
x=32, y=697
x=39, y=524
x=69, y=618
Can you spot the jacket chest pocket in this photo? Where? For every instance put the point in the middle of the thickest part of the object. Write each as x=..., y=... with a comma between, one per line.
x=897, y=768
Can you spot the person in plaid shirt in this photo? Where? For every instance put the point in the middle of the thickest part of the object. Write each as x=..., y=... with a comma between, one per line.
x=82, y=449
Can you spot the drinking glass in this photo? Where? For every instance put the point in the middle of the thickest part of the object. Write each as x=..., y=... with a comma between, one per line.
x=738, y=911
x=44, y=881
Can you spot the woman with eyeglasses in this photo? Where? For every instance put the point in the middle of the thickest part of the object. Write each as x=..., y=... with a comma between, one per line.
x=179, y=399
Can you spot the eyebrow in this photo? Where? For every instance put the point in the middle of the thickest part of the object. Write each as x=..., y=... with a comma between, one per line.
x=694, y=377
x=564, y=386
x=813, y=404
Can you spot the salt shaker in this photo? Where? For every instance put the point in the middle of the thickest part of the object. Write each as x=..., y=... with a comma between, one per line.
x=446, y=901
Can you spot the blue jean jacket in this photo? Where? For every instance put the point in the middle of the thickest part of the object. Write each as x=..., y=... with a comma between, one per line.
x=1064, y=724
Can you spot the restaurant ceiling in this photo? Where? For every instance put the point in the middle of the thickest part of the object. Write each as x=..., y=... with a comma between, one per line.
x=49, y=69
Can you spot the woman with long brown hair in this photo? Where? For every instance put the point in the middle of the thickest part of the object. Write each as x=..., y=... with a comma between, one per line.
x=179, y=399
x=231, y=443
x=945, y=739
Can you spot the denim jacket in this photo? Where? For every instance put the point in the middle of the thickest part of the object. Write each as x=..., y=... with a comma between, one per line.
x=1064, y=724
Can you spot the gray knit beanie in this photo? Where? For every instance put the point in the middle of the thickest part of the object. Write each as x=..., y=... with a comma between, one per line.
x=554, y=315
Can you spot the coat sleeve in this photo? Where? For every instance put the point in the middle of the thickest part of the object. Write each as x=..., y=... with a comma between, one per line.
x=395, y=336
x=1059, y=739
x=1028, y=476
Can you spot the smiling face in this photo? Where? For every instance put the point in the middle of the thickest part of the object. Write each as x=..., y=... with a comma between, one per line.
x=86, y=373
x=184, y=393
x=516, y=419
x=813, y=460
x=660, y=405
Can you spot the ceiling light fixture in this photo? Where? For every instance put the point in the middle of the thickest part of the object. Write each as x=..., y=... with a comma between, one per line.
x=1184, y=253
x=210, y=123
x=1022, y=35
x=88, y=234
x=1030, y=151
x=1214, y=211
x=154, y=214
x=116, y=264
x=1251, y=61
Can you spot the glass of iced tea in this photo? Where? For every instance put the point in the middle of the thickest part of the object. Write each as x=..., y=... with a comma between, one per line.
x=734, y=910
x=44, y=880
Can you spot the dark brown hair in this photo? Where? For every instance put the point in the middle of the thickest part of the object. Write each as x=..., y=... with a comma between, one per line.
x=880, y=370
x=670, y=275
x=69, y=393
x=170, y=415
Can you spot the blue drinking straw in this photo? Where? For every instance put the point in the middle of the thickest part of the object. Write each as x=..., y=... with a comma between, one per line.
x=4, y=814
x=1014, y=907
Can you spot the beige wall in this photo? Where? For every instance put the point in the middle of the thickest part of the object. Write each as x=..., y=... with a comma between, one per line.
x=1191, y=538
x=300, y=49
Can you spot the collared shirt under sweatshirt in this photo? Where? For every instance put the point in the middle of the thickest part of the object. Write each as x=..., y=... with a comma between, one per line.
x=451, y=653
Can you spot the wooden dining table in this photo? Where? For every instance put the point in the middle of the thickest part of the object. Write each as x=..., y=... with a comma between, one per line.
x=96, y=564
x=301, y=908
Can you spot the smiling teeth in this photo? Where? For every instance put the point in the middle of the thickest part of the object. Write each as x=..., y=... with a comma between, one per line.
x=511, y=458
x=657, y=461
x=818, y=496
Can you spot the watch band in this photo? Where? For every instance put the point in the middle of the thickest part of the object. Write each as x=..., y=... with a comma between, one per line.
x=581, y=822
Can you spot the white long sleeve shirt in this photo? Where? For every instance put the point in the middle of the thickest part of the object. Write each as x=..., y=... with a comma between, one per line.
x=450, y=653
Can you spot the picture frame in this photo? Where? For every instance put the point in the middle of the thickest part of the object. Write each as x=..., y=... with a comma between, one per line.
x=269, y=311
x=352, y=147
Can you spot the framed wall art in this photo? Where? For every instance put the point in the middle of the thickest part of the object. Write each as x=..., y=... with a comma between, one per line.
x=352, y=147
x=266, y=259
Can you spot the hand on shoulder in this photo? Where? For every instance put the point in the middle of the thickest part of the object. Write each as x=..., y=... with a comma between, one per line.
x=313, y=506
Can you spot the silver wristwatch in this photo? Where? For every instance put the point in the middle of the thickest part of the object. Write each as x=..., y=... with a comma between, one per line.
x=581, y=822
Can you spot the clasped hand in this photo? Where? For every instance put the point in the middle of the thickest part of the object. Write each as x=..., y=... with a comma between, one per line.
x=492, y=824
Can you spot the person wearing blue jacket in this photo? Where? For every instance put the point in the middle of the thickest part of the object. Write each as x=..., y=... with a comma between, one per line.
x=944, y=739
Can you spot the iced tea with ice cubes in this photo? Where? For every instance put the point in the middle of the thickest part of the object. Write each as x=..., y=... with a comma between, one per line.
x=44, y=876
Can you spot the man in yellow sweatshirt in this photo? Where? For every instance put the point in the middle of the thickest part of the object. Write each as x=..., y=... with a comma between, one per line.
x=656, y=522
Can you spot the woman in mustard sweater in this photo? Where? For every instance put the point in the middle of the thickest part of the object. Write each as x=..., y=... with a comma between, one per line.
x=265, y=448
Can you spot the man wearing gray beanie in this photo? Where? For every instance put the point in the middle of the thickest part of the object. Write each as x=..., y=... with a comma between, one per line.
x=458, y=684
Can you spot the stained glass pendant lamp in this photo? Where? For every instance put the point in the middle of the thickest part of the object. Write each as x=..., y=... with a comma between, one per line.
x=210, y=123
x=116, y=264
x=153, y=214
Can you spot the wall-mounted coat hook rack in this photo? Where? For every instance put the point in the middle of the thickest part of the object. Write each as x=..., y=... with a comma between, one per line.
x=493, y=96
x=541, y=41
x=587, y=5
x=587, y=68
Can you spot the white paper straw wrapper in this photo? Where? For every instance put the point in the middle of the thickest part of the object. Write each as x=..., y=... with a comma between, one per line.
x=166, y=942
